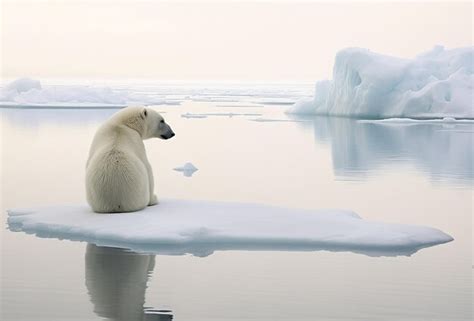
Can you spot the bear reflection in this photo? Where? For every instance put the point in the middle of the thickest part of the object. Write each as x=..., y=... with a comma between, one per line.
x=116, y=280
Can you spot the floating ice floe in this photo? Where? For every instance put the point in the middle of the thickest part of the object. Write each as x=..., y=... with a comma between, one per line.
x=21, y=85
x=408, y=121
x=205, y=115
x=239, y=105
x=187, y=169
x=192, y=115
x=202, y=227
x=26, y=92
x=275, y=101
x=435, y=84
x=275, y=120
x=189, y=115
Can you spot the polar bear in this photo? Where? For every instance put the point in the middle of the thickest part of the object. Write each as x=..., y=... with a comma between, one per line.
x=119, y=177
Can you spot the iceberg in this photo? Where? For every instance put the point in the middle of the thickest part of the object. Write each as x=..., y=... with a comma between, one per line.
x=201, y=227
x=435, y=84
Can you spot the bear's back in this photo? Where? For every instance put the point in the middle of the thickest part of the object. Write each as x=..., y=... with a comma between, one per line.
x=116, y=176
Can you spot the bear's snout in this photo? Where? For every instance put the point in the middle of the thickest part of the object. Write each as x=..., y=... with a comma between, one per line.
x=168, y=135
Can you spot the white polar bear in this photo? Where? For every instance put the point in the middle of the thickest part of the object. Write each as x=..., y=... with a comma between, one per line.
x=119, y=177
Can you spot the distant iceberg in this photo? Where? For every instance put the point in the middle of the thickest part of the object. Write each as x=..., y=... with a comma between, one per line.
x=435, y=84
x=202, y=227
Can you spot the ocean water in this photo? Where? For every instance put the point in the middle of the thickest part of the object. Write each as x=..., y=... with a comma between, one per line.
x=414, y=173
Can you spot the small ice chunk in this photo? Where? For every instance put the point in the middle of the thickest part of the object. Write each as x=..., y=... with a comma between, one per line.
x=302, y=106
x=187, y=169
x=449, y=119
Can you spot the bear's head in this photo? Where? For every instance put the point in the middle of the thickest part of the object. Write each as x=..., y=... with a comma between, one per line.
x=147, y=122
x=155, y=125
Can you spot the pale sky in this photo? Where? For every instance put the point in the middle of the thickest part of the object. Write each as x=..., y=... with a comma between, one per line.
x=226, y=40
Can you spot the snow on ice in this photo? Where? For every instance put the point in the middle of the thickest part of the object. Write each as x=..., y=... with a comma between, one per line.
x=202, y=227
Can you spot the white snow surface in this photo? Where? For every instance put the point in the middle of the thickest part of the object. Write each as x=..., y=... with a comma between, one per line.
x=201, y=227
x=435, y=84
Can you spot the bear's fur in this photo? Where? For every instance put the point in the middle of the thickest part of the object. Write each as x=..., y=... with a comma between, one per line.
x=119, y=177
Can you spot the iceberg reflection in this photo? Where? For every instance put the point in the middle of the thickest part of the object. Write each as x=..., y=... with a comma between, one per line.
x=442, y=151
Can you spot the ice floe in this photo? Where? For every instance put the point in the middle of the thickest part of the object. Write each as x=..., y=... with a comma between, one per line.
x=435, y=84
x=275, y=101
x=273, y=120
x=202, y=227
x=25, y=92
x=205, y=115
x=407, y=121
x=190, y=115
x=23, y=85
x=239, y=105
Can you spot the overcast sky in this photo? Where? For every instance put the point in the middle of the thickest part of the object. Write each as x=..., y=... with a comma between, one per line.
x=226, y=40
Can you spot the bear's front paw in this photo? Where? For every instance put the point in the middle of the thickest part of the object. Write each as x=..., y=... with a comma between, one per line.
x=153, y=200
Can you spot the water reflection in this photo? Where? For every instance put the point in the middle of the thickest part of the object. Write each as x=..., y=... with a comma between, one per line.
x=360, y=149
x=116, y=280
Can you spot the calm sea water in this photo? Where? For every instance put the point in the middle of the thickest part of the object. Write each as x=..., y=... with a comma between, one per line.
x=402, y=173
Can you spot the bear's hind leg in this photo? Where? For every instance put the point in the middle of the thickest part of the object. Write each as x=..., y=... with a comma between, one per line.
x=153, y=200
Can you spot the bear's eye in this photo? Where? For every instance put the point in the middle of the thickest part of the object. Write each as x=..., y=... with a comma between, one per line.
x=145, y=113
x=162, y=121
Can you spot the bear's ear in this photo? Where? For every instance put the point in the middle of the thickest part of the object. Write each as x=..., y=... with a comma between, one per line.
x=144, y=113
